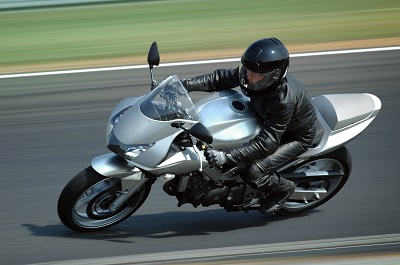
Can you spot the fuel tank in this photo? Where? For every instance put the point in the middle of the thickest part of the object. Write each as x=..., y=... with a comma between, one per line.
x=228, y=115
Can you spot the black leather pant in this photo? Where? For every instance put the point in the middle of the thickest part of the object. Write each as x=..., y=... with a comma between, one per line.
x=260, y=175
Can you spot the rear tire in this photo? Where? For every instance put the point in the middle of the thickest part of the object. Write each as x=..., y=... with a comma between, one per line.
x=339, y=159
x=83, y=203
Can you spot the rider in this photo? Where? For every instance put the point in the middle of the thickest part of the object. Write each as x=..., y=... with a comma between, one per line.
x=288, y=119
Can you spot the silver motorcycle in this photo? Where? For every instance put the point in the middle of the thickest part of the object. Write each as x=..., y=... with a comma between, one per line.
x=170, y=146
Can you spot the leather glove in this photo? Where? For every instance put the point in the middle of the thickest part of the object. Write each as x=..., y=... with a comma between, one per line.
x=217, y=157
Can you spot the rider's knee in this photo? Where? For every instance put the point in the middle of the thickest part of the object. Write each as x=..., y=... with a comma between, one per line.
x=251, y=172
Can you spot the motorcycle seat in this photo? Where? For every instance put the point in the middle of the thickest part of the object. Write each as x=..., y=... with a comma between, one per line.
x=341, y=110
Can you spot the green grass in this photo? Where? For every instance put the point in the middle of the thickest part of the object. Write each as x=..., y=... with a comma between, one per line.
x=118, y=30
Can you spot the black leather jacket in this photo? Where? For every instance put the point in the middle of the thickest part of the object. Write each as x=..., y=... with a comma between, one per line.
x=286, y=110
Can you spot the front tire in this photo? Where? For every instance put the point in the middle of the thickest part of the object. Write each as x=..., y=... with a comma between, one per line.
x=339, y=159
x=83, y=203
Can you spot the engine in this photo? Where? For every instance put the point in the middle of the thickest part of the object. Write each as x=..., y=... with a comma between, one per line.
x=200, y=191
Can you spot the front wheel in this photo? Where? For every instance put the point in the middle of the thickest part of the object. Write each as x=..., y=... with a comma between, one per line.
x=84, y=202
x=338, y=160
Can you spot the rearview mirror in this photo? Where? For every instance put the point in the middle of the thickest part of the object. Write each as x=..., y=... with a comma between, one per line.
x=201, y=132
x=153, y=58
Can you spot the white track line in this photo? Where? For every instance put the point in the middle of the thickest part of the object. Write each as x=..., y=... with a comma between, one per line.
x=189, y=63
x=241, y=251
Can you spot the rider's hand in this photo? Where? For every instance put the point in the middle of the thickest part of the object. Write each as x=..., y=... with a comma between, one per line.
x=215, y=157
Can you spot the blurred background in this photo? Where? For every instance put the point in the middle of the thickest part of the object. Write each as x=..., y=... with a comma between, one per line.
x=53, y=125
x=59, y=34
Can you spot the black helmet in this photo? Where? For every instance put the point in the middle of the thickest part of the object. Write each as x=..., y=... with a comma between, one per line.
x=264, y=64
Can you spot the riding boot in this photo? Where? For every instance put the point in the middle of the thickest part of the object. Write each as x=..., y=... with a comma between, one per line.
x=278, y=195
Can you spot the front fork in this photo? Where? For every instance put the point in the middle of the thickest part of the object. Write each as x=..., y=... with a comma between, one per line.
x=113, y=166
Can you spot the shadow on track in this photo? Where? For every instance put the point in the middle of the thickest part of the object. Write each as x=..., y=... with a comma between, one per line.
x=166, y=225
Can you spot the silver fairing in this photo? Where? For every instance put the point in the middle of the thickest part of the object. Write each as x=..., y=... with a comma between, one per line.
x=141, y=130
x=228, y=115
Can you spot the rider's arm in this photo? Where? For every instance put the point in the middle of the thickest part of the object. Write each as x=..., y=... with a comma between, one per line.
x=218, y=80
x=268, y=139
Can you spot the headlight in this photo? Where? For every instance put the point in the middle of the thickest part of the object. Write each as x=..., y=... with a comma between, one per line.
x=134, y=151
x=126, y=151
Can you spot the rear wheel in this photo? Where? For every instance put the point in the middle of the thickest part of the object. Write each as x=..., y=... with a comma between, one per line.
x=338, y=160
x=84, y=203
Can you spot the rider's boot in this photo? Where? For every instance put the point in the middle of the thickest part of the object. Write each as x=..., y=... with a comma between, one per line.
x=278, y=196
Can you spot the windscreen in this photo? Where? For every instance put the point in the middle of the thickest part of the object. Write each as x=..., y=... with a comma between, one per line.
x=169, y=101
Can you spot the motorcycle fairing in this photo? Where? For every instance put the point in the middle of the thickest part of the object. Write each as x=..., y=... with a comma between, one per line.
x=123, y=104
x=141, y=128
x=156, y=112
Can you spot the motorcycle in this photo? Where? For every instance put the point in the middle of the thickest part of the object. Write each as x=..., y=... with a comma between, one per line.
x=170, y=146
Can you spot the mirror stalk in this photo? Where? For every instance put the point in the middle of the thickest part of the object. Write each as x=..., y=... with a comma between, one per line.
x=153, y=81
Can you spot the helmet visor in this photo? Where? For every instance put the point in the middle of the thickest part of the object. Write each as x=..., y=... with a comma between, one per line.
x=257, y=81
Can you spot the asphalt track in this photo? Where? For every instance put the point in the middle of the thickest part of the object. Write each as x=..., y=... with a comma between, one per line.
x=51, y=127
